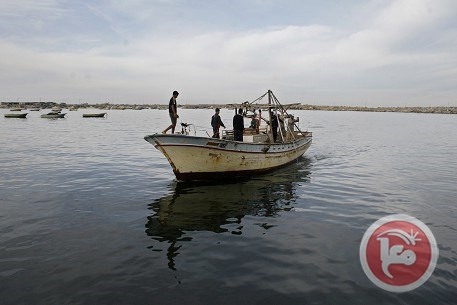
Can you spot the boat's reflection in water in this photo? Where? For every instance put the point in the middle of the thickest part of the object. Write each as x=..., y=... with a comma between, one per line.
x=210, y=206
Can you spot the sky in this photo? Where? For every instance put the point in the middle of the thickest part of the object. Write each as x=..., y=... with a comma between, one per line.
x=323, y=52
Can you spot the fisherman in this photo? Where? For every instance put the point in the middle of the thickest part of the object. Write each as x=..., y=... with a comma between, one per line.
x=216, y=123
x=173, y=112
x=282, y=125
x=254, y=122
x=274, y=125
x=238, y=125
x=259, y=121
x=291, y=127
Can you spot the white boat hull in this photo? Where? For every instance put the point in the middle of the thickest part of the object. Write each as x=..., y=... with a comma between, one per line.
x=16, y=115
x=200, y=158
x=94, y=115
x=53, y=116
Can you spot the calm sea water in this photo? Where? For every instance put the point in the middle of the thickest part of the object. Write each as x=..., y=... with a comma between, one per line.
x=90, y=213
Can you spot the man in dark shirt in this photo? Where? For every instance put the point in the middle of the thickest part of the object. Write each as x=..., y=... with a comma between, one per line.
x=238, y=126
x=274, y=125
x=173, y=112
x=216, y=123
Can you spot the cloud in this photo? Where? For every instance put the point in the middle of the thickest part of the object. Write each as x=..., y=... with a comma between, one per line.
x=403, y=51
x=43, y=9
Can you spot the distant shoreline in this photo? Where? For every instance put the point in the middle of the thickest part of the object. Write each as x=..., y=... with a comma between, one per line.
x=107, y=106
x=433, y=109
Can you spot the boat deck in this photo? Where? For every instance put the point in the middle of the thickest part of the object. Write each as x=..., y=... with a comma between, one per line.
x=252, y=136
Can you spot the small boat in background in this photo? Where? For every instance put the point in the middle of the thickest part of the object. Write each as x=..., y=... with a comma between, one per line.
x=34, y=109
x=16, y=109
x=53, y=115
x=94, y=115
x=16, y=115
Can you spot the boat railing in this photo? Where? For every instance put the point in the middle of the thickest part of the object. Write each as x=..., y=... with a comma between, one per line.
x=249, y=135
x=249, y=131
x=228, y=134
x=187, y=128
x=256, y=138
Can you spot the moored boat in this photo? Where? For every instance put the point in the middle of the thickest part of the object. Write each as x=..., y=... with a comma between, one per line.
x=202, y=158
x=53, y=115
x=94, y=115
x=16, y=115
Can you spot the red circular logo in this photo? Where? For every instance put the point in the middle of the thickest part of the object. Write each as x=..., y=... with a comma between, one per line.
x=398, y=253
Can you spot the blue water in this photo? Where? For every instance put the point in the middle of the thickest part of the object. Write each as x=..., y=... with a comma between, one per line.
x=90, y=213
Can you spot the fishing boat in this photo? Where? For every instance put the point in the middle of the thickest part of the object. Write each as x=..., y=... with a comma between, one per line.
x=53, y=115
x=203, y=158
x=94, y=115
x=16, y=115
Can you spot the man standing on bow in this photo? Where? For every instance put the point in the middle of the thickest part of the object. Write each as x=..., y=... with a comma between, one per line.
x=173, y=112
